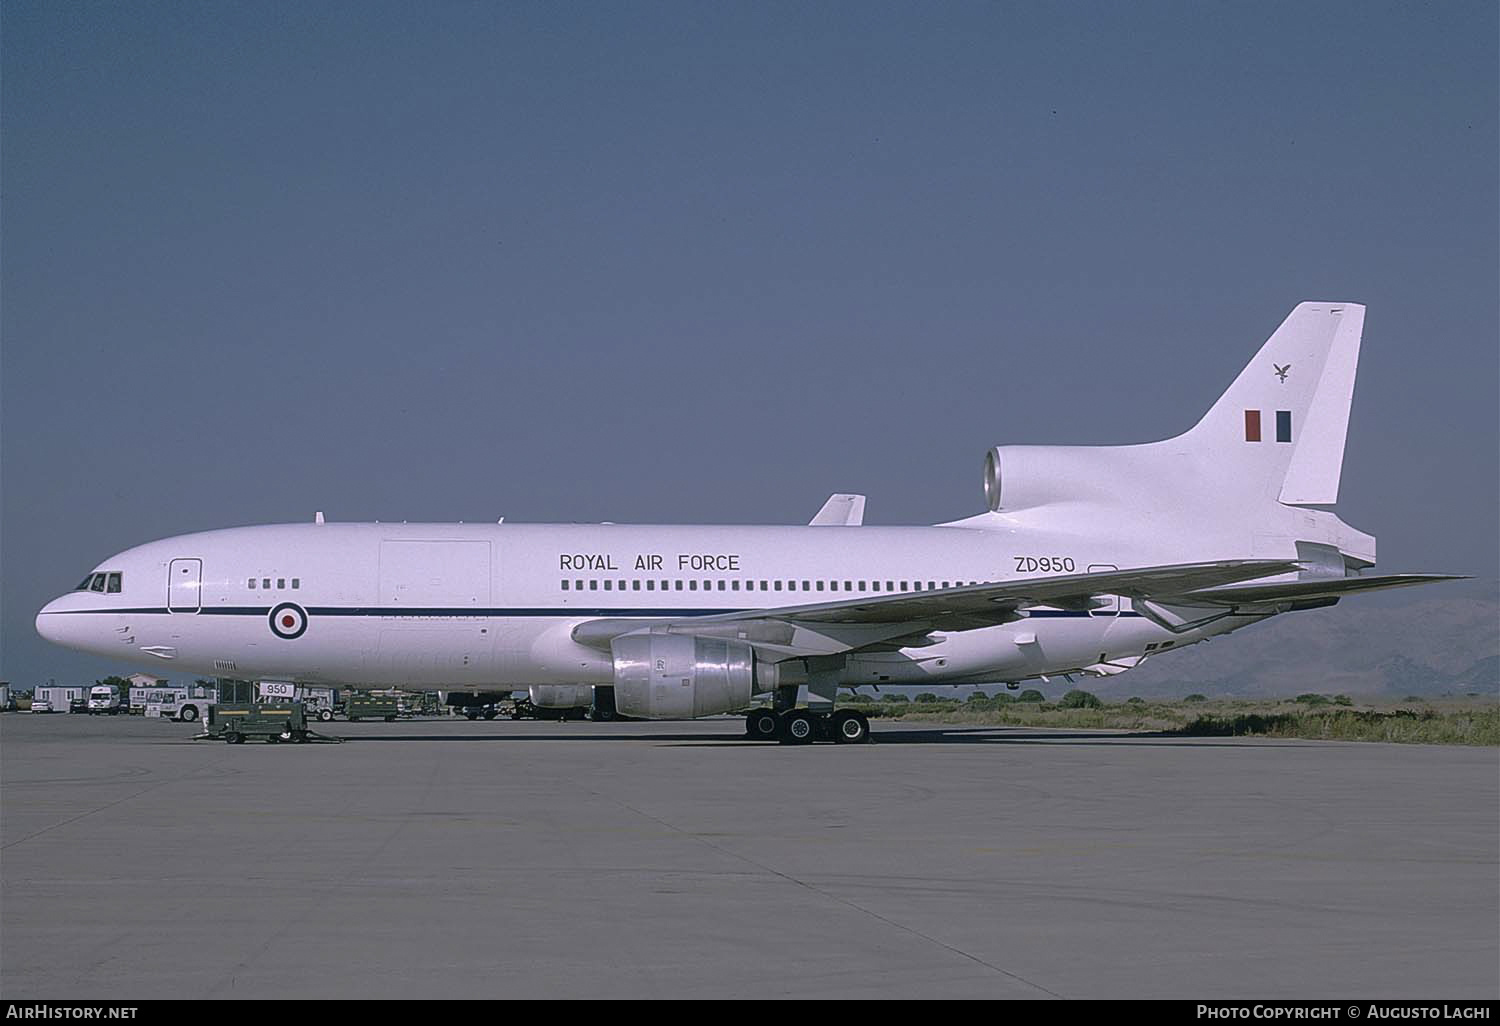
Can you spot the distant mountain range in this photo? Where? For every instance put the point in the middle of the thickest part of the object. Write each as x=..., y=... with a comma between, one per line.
x=1428, y=647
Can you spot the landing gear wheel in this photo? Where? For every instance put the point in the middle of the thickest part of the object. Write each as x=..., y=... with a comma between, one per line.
x=851, y=728
x=798, y=728
x=761, y=725
x=235, y=738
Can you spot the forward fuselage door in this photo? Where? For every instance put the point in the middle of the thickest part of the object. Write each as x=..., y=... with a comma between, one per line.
x=185, y=585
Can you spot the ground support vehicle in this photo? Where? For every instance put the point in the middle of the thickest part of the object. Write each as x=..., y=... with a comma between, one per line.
x=488, y=711
x=360, y=706
x=186, y=704
x=272, y=722
x=105, y=698
x=319, y=702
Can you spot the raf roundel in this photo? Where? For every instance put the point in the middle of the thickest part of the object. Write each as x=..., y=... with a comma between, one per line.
x=288, y=620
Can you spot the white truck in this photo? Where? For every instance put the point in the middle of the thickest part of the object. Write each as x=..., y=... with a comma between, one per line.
x=105, y=698
x=185, y=703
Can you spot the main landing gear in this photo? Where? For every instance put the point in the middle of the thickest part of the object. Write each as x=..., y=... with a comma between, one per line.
x=803, y=726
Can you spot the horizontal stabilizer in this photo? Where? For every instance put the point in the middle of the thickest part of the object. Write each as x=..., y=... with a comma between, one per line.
x=1296, y=591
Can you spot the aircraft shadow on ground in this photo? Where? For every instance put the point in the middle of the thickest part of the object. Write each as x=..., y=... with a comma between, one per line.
x=920, y=736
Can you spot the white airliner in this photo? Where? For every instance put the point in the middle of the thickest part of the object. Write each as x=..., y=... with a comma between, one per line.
x=1089, y=560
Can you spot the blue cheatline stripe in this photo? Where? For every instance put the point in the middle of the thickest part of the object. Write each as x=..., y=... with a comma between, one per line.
x=518, y=612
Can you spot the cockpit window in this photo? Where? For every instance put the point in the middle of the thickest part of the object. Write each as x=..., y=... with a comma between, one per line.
x=113, y=586
x=97, y=584
x=83, y=585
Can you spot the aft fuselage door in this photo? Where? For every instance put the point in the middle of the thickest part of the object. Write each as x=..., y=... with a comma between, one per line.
x=185, y=585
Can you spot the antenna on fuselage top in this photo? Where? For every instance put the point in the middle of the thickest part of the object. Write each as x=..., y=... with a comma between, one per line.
x=318, y=517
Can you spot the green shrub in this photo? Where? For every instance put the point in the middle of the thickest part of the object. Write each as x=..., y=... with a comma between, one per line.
x=1195, y=697
x=927, y=696
x=1135, y=701
x=893, y=698
x=1311, y=699
x=1031, y=695
x=1478, y=727
x=979, y=696
x=1077, y=699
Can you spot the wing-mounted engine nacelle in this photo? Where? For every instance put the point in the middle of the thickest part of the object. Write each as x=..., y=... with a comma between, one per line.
x=561, y=696
x=1022, y=476
x=681, y=676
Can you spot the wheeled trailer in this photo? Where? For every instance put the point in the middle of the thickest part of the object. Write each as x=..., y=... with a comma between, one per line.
x=271, y=722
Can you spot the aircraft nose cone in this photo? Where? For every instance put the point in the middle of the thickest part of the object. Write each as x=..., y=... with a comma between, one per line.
x=51, y=623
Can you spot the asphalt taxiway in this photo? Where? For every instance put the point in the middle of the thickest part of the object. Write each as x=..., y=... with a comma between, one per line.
x=445, y=858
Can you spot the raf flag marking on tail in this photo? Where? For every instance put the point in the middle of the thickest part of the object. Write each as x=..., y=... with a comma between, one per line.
x=1283, y=425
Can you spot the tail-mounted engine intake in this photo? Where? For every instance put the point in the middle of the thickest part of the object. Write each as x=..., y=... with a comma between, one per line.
x=1023, y=476
x=680, y=676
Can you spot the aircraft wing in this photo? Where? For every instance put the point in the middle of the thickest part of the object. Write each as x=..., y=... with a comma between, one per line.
x=840, y=511
x=1315, y=588
x=826, y=628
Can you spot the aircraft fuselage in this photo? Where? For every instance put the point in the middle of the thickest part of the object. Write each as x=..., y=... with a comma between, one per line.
x=494, y=605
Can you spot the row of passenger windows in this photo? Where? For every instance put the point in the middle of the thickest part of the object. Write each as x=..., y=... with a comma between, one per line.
x=737, y=585
x=106, y=582
x=265, y=583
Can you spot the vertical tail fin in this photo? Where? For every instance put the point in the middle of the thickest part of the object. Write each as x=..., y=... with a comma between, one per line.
x=1283, y=421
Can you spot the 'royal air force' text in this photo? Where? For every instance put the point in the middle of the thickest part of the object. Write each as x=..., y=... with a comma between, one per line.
x=705, y=562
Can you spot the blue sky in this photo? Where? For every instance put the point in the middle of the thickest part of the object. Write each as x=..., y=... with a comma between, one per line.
x=665, y=262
